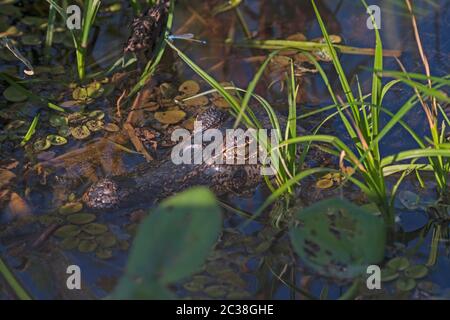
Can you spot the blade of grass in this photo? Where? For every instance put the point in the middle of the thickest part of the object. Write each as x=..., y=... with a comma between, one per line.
x=31, y=130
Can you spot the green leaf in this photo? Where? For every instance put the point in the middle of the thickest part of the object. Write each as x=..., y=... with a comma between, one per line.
x=336, y=238
x=172, y=243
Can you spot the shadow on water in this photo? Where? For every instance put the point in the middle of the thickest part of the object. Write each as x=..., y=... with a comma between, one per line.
x=248, y=261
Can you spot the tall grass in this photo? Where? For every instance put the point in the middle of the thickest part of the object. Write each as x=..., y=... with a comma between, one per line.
x=81, y=37
x=361, y=120
x=360, y=114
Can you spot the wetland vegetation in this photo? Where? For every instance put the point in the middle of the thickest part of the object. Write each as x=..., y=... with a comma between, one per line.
x=93, y=91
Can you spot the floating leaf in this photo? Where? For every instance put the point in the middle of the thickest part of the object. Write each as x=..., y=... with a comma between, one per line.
x=86, y=236
x=389, y=275
x=95, y=125
x=57, y=120
x=81, y=218
x=80, y=93
x=416, y=272
x=405, y=284
x=71, y=207
x=220, y=103
x=170, y=117
x=31, y=40
x=324, y=184
x=336, y=238
x=41, y=145
x=14, y=95
x=188, y=224
x=409, y=199
x=56, y=140
x=64, y=131
x=97, y=114
x=398, y=263
x=87, y=246
x=70, y=243
x=189, y=87
x=167, y=90
x=103, y=253
x=107, y=240
x=197, y=102
x=80, y=132
x=94, y=90
x=67, y=231
x=95, y=228
x=216, y=291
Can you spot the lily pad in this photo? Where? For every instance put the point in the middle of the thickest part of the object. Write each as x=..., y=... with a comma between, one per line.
x=167, y=90
x=170, y=117
x=95, y=125
x=95, y=228
x=409, y=199
x=41, y=145
x=87, y=246
x=81, y=218
x=94, y=90
x=97, y=114
x=416, y=272
x=64, y=131
x=80, y=93
x=324, y=184
x=336, y=238
x=220, y=103
x=388, y=274
x=56, y=140
x=14, y=95
x=188, y=225
x=67, y=231
x=103, y=253
x=31, y=40
x=405, y=284
x=57, y=120
x=80, y=132
x=216, y=291
x=197, y=102
x=71, y=207
x=106, y=240
x=189, y=87
x=70, y=243
x=398, y=263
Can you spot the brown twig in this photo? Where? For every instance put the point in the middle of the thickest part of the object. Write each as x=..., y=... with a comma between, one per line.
x=421, y=51
x=129, y=128
x=119, y=104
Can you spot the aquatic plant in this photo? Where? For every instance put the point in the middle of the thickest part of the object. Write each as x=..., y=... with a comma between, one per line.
x=188, y=224
x=80, y=37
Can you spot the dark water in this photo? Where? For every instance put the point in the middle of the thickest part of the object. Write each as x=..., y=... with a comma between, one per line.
x=43, y=271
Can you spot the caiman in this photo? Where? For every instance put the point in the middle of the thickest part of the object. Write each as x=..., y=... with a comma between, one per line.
x=151, y=184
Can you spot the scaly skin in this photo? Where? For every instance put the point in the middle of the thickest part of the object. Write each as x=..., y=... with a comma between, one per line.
x=169, y=178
